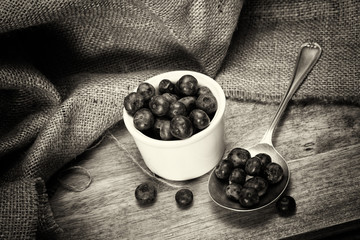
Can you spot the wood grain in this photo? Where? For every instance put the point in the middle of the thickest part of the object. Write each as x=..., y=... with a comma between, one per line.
x=320, y=142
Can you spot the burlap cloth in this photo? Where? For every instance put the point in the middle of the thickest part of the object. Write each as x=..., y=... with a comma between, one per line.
x=65, y=67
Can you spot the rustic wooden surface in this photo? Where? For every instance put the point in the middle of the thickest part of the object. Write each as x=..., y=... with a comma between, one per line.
x=321, y=144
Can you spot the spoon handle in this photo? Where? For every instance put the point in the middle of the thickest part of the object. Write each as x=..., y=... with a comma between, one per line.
x=308, y=55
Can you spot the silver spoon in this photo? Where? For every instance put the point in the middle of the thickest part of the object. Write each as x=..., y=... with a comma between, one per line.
x=308, y=55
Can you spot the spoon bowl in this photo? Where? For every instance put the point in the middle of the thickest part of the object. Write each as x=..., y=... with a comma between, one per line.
x=217, y=187
x=308, y=55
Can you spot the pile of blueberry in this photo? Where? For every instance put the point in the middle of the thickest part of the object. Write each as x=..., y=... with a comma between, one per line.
x=178, y=111
x=248, y=178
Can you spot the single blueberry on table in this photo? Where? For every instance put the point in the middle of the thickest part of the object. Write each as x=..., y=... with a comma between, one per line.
x=286, y=206
x=184, y=197
x=145, y=193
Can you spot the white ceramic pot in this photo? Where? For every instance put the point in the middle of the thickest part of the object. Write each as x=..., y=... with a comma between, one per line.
x=189, y=158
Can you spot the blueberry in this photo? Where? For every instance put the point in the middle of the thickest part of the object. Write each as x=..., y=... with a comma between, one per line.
x=238, y=176
x=238, y=156
x=143, y=119
x=259, y=183
x=253, y=166
x=286, y=206
x=165, y=131
x=232, y=191
x=166, y=86
x=181, y=127
x=133, y=102
x=273, y=173
x=223, y=169
x=249, y=197
x=189, y=101
x=176, y=108
x=157, y=125
x=146, y=90
x=199, y=119
x=265, y=159
x=187, y=85
x=145, y=193
x=207, y=102
x=159, y=105
x=184, y=197
x=203, y=90
x=170, y=97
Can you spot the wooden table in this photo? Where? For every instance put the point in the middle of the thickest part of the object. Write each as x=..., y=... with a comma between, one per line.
x=321, y=144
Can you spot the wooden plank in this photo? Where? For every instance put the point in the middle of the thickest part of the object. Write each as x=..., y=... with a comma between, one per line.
x=320, y=142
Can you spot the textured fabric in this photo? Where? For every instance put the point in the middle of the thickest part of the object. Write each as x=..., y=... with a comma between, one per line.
x=25, y=211
x=262, y=56
x=65, y=67
x=18, y=196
